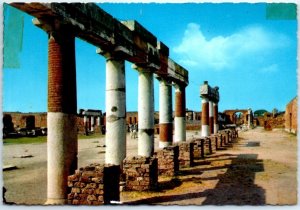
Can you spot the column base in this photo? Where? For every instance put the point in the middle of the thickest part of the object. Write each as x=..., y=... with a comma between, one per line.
x=163, y=144
x=54, y=201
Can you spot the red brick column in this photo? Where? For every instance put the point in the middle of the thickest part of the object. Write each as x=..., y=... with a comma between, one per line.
x=211, y=117
x=165, y=113
x=216, y=121
x=205, y=117
x=61, y=116
x=179, y=121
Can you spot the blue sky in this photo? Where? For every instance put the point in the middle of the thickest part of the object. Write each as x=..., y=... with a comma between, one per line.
x=234, y=46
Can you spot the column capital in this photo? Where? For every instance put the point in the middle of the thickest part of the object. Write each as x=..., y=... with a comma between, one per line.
x=142, y=69
x=54, y=27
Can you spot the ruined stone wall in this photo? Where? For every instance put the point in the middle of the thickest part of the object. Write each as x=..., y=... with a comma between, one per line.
x=19, y=119
x=291, y=116
x=95, y=184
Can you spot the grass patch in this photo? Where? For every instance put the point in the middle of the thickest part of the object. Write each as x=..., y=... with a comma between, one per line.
x=43, y=139
x=90, y=136
x=25, y=140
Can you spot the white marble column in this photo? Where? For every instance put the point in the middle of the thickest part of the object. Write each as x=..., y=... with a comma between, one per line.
x=145, y=113
x=115, y=138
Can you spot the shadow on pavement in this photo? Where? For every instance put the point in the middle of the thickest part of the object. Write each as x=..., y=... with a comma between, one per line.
x=235, y=187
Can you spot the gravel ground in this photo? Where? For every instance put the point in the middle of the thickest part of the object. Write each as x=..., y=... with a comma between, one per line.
x=259, y=168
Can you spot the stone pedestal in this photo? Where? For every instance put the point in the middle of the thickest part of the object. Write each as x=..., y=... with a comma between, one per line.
x=168, y=162
x=213, y=141
x=218, y=140
x=141, y=173
x=94, y=185
x=198, y=148
x=207, y=146
x=186, y=154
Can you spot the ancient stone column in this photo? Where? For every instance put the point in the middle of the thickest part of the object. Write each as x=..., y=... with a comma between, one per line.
x=85, y=120
x=249, y=117
x=98, y=121
x=165, y=114
x=211, y=117
x=179, y=121
x=61, y=116
x=92, y=123
x=205, y=117
x=216, y=121
x=145, y=113
x=115, y=138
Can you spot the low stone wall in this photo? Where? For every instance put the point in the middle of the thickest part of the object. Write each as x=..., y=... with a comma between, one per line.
x=198, y=148
x=168, y=163
x=141, y=173
x=186, y=154
x=94, y=185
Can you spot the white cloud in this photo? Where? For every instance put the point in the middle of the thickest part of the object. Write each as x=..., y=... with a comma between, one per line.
x=249, y=44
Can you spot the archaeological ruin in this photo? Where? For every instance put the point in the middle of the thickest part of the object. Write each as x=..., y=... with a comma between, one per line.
x=120, y=41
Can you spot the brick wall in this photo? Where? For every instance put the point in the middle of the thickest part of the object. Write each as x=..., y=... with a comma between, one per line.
x=168, y=163
x=94, y=185
x=291, y=116
x=141, y=173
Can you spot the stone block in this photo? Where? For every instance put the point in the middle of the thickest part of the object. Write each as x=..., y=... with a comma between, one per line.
x=96, y=185
x=168, y=163
x=141, y=173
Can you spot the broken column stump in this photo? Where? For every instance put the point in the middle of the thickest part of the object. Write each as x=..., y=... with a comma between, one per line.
x=218, y=140
x=207, y=146
x=198, y=148
x=186, y=154
x=168, y=162
x=96, y=184
x=141, y=173
x=213, y=143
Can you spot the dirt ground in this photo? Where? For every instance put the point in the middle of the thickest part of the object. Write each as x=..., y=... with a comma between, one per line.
x=260, y=168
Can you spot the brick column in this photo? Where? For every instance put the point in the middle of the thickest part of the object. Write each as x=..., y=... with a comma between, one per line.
x=165, y=114
x=61, y=117
x=145, y=112
x=211, y=117
x=115, y=138
x=216, y=121
x=179, y=121
x=205, y=117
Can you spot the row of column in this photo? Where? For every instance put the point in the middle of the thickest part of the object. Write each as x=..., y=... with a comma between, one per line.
x=165, y=114
x=62, y=148
x=209, y=117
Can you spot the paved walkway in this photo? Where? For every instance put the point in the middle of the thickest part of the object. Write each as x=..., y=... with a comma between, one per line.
x=260, y=168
